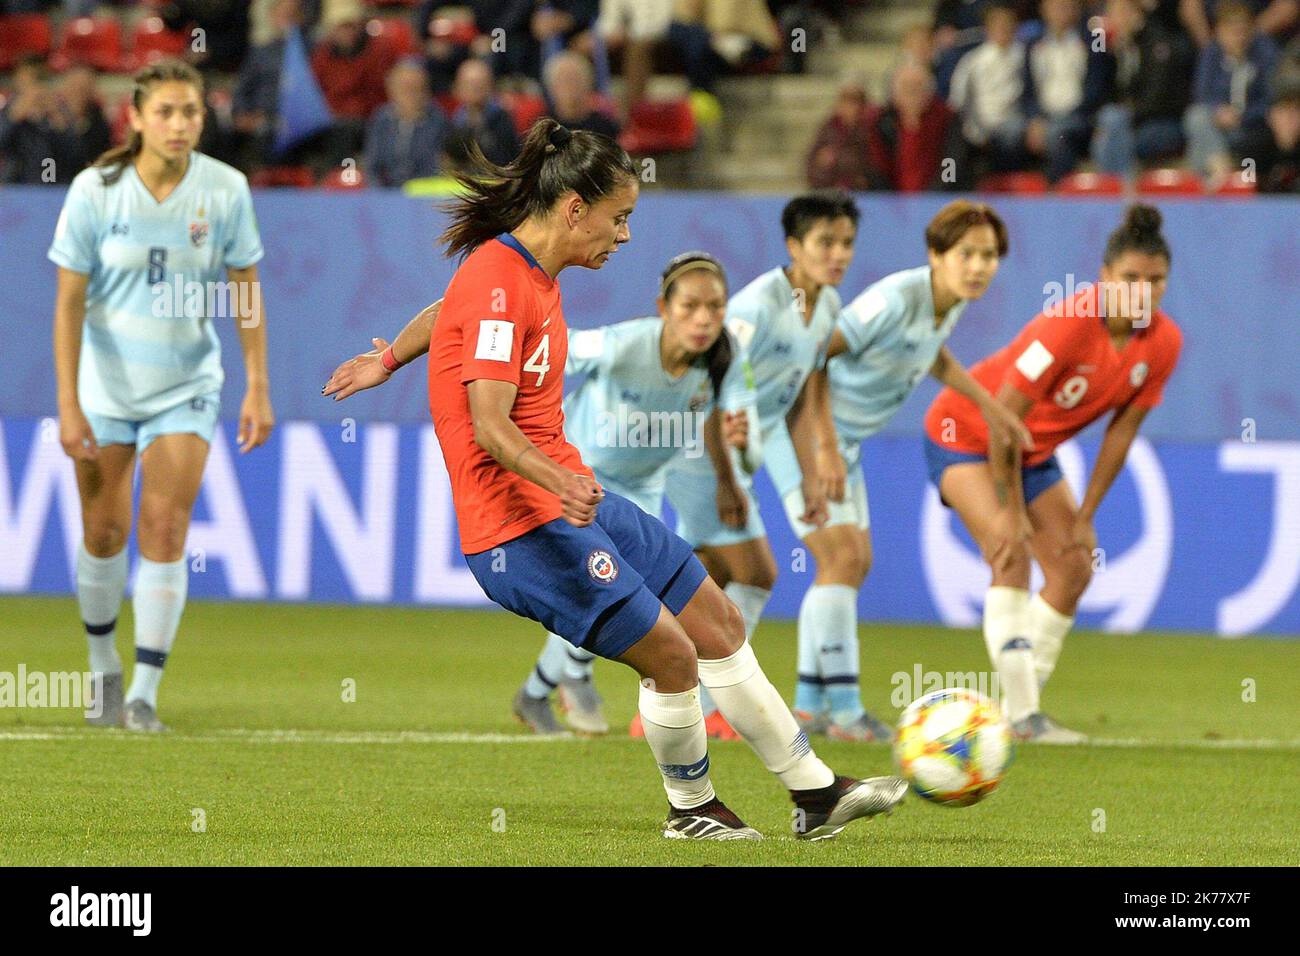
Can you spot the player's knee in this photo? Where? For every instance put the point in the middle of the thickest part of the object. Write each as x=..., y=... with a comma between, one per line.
x=761, y=574
x=1075, y=573
x=163, y=530
x=676, y=665
x=105, y=537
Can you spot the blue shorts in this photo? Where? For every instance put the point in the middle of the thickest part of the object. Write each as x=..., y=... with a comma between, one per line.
x=1036, y=478
x=600, y=587
x=196, y=416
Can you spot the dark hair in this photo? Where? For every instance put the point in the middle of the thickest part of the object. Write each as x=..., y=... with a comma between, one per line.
x=554, y=160
x=1139, y=232
x=803, y=212
x=718, y=356
x=957, y=218
x=113, y=162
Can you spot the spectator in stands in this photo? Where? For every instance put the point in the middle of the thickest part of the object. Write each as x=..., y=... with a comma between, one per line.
x=225, y=26
x=442, y=56
x=532, y=30
x=78, y=127
x=915, y=143
x=1231, y=91
x=569, y=88
x=404, y=136
x=1277, y=19
x=26, y=137
x=838, y=158
x=1274, y=145
x=1154, y=68
x=255, y=103
x=918, y=45
x=986, y=91
x=636, y=27
x=350, y=66
x=480, y=116
x=716, y=37
x=1067, y=79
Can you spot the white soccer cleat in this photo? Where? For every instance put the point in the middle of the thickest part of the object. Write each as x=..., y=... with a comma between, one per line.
x=1038, y=728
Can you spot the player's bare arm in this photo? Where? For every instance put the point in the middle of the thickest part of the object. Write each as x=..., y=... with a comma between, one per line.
x=367, y=369
x=804, y=432
x=1003, y=423
x=836, y=345
x=256, y=419
x=490, y=403
x=1121, y=431
x=69, y=314
x=733, y=508
x=830, y=464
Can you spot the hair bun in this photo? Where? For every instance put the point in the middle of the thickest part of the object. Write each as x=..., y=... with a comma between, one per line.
x=1143, y=219
x=560, y=136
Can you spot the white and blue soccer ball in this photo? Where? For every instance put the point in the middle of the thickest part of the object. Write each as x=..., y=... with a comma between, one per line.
x=953, y=746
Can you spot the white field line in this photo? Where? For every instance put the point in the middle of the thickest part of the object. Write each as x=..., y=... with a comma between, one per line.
x=240, y=735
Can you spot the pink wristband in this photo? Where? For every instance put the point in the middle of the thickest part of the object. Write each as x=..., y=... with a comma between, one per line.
x=389, y=360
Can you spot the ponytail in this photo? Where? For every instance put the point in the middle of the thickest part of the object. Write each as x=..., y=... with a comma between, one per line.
x=554, y=160
x=113, y=162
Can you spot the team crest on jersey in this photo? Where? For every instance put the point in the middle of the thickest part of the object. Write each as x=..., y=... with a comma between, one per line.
x=198, y=234
x=1138, y=375
x=602, y=567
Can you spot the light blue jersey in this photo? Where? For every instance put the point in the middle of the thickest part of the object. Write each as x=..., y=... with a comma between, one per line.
x=157, y=281
x=768, y=321
x=630, y=418
x=893, y=342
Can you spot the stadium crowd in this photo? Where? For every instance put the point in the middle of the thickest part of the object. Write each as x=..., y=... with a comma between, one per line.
x=988, y=88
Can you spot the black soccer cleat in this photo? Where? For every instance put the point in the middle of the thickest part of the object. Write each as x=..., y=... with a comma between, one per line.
x=712, y=821
x=826, y=812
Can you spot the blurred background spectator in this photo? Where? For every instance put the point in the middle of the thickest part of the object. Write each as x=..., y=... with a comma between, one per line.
x=1277, y=19
x=634, y=28
x=1232, y=77
x=569, y=89
x=351, y=67
x=717, y=37
x=1274, y=145
x=915, y=142
x=404, y=137
x=839, y=157
x=479, y=116
x=1154, y=67
x=987, y=88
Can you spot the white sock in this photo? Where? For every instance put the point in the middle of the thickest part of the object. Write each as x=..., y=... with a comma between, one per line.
x=549, y=669
x=833, y=621
x=750, y=601
x=674, y=729
x=158, y=600
x=753, y=707
x=1047, y=630
x=101, y=582
x=1006, y=623
x=578, y=663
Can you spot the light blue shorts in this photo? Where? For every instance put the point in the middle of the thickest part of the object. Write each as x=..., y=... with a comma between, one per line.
x=694, y=496
x=651, y=501
x=197, y=416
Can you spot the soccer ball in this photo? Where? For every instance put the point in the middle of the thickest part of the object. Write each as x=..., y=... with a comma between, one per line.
x=953, y=746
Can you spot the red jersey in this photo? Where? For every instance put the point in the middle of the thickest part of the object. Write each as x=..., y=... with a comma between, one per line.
x=1066, y=362
x=500, y=319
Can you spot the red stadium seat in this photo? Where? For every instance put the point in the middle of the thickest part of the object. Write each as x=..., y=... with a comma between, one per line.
x=1091, y=184
x=455, y=30
x=22, y=34
x=342, y=180
x=296, y=177
x=1022, y=184
x=660, y=126
x=1170, y=182
x=152, y=41
x=96, y=41
x=1236, y=185
x=524, y=108
x=396, y=32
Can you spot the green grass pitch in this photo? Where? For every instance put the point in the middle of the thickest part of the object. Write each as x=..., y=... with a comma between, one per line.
x=426, y=765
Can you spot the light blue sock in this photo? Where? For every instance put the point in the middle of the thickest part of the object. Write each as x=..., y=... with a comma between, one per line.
x=810, y=691
x=578, y=663
x=550, y=668
x=834, y=622
x=101, y=582
x=159, y=601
